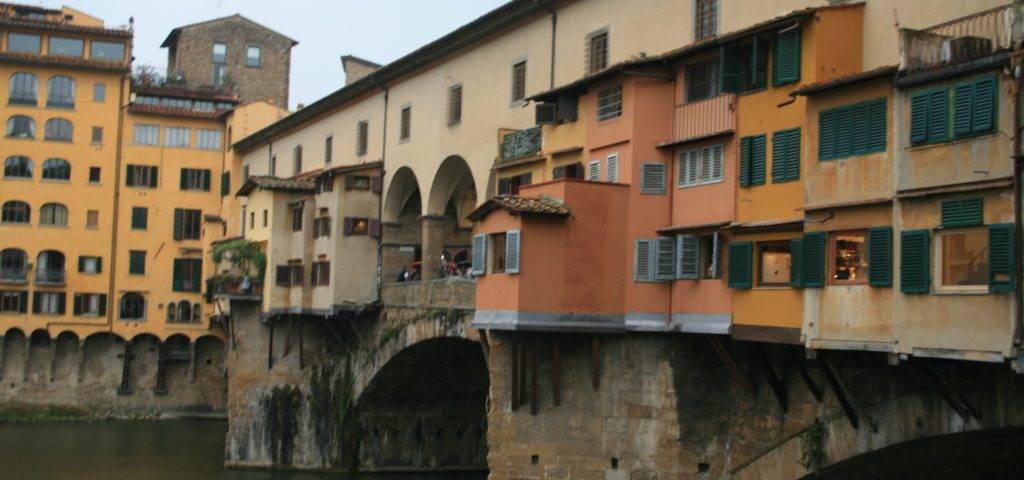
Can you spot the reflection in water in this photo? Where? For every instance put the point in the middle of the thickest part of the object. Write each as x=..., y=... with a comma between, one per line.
x=163, y=450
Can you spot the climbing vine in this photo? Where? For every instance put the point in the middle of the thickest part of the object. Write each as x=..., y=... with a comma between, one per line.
x=245, y=255
x=812, y=447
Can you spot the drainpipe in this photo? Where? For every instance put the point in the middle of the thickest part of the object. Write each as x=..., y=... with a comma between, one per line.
x=554, y=42
x=111, y=299
x=380, y=199
x=1017, y=214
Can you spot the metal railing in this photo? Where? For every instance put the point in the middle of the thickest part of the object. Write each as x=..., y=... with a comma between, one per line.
x=961, y=39
x=13, y=274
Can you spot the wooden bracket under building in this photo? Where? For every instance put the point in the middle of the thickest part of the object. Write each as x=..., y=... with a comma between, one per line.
x=534, y=387
x=270, y=346
x=515, y=371
x=841, y=395
x=288, y=337
x=595, y=363
x=960, y=404
x=774, y=383
x=726, y=357
x=801, y=368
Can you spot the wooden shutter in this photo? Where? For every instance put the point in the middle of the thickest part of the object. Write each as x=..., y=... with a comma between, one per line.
x=666, y=259
x=61, y=303
x=827, y=135
x=759, y=58
x=740, y=264
x=139, y=217
x=812, y=260
x=77, y=308
x=177, y=276
x=729, y=69
x=512, y=249
x=183, y=181
x=915, y=261
x=594, y=171
x=282, y=275
x=1001, y=258
x=880, y=257
x=129, y=176
x=22, y=302
x=376, y=184
x=179, y=223
x=919, y=118
x=99, y=264
x=205, y=174
x=795, y=257
x=967, y=212
x=688, y=252
x=938, y=115
x=643, y=271
x=103, y=304
x=745, y=162
x=877, y=125
x=716, y=163
x=786, y=155
x=652, y=178
x=984, y=112
x=349, y=225
x=787, y=58
x=225, y=184
x=81, y=264
x=844, y=132
x=758, y=152
x=479, y=254
x=197, y=274
x=152, y=177
x=374, y=228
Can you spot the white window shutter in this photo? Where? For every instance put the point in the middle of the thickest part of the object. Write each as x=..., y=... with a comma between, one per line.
x=642, y=261
x=681, y=169
x=706, y=174
x=512, y=240
x=594, y=171
x=479, y=254
x=688, y=247
x=613, y=168
x=666, y=259
x=652, y=178
x=715, y=252
x=693, y=165
x=716, y=163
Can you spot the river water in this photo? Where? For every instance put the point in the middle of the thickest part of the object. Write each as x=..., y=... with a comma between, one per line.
x=139, y=450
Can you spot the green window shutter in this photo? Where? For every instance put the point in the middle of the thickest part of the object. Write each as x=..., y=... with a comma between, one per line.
x=938, y=115
x=183, y=181
x=844, y=132
x=786, y=155
x=795, y=254
x=967, y=212
x=139, y=218
x=197, y=274
x=860, y=129
x=758, y=152
x=176, y=278
x=225, y=184
x=878, y=125
x=984, y=114
x=77, y=308
x=61, y=303
x=786, y=58
x=1001, y=258
x=827, y=135
x=915, y=261
x=963, y=103
x=759, y=58
x=688, y=257
x=919, y=118
x=745, y=161
x=666, y=259
x=479, y=254
x=740, y=264
x=880, y=257
x=179, y=223
x=512, y=249
x=812, y=260
x=103, y=304
x=643, y=271
x=729, y=69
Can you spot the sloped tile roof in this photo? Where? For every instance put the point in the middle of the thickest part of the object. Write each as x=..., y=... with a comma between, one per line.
x=521, y=206
x=853, y=78
x=298, y=185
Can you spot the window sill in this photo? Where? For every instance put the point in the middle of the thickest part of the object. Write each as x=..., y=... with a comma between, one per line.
x=704, y=184
x=12, y=314
x=26, y=103
x=15, y=224
x=960, y=293
x=609, y=120
x=774, y=287
x=929, y=145
x=517, y=103
x=12, y=137
x=14, y=281
x=53, y=226
x=133, y=320
x=57, y=140
x=19, y=179
x=67, y=108
x=54, y=180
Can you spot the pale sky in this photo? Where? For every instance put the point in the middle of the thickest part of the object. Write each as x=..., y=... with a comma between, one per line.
x=377, y=30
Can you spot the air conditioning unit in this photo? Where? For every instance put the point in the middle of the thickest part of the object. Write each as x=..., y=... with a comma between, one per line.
x=960, y=49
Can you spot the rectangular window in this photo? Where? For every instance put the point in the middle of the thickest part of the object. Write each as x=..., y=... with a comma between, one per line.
x=94, y=174
x=964, y=259
x=23, y=43
x=225, y=184
x=66, y=47
x=699, y=166
x=220, y=53
x=609, y=103
x=652, y=178
x=90, y=304
x=142, y=176
x=109, y=51
x=362, y=134
x=297, y=160
x=356, y=226
x=140, y=218
x=519, y=81
x=853, y=130
x=252, y=56
x=849, y=253
x=272, y=166
x=786, y=155
x=145, y=134
x=90, y=265
x=498, y=249
x=219, y=74
x=48, y=303
x=295, y=271
x=177, y=137
x=752, y=160
x=774, y=265
x=511, y=185
x=698, y=257
x=612, y=165
x=265, y=215
x=574, y=170
x=744, y=66
x=187, y=224
x=13, y=301
x=92, y=219
x=99, y=92
x=328, y=148
x=320, y=273
x=705, y=19
x=321, y=227
x=97, y=134
x=137, y=262
x=702, y=81
x=406, y=126
x=454, y=105
x=195, y=179
x=208, y=139
x=786, y=58
x=357, y=182
x=245, y=173
x=597, y=51
x=187, y=274
x=297, y=218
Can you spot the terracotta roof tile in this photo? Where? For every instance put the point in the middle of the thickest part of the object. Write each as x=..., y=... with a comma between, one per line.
x=297, y=185
x=175, y=91
x=521, y=206
x=64, y=27
x=175, y=112
x=849, y=79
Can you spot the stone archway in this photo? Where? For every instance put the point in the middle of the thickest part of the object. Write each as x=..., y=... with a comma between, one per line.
x=446, y=230
x=402, y=235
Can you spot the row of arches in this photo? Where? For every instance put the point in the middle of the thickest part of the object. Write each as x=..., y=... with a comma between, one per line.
x=55, y=129
x=23, y=89
x=50, y=214
x=20, y=166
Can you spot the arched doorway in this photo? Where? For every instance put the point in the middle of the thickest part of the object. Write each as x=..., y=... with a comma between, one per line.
x=402, y=235
x=446, y=230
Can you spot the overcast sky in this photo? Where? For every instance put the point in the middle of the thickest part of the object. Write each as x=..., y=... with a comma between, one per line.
x=377, y=30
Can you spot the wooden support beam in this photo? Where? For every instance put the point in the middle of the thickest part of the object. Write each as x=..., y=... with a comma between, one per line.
x=302, y=353
x=334, y=333
x=841, y=395
x=515, y=371
x=126, y=362
x=805, y=375
x=288, y=337
x=959, y=403
x=522, y=370
x=734, y=369
x=774, y=383
x=556, y=373
x=534, y=390
x=270, y=346
x=3, y=341
x=595, y=362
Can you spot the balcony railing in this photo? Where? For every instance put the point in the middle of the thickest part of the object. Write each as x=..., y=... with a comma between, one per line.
x=50, y=277
x=974, y=36
x=704, y=118
x=13, y=275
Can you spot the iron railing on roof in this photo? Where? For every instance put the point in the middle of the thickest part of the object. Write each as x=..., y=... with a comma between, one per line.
x=962, y=39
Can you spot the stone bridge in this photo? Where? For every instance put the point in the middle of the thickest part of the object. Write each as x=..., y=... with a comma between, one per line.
x=413, y=388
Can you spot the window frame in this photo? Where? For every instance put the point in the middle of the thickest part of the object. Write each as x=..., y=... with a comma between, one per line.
x=831, y=251
x=92, y=50
x=362, y=137
x=183, y=136
x=701, y=31
x=714, y=84
x=71, y=41
x=454, y=111
x=497, y=247
x=613, y=105
x=58, y=130
x=597, y=62
x=15, y=95
x=938, y=237
x=7, y=211
x=12, y=123
x=248, y=58
x=37, y=39
x=18, y=164
x=144, y=131
x=141, y=306
x=140, y=255
x=518, y=93
x=405, y=123
x=759, y=251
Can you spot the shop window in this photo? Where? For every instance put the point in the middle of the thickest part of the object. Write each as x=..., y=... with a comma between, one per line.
x=964, y=259
x=849, y=253
x=774, y=265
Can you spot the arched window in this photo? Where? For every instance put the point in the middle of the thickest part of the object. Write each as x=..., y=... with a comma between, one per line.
x=18, y=167
x=184, y=311
x=60, y=92
x=15, y=212
x=53, y=214
x=50, y=267
x=24, y=89
x=197, y=313
x=13, y=264
x=172, y=311
x=56, y=169
x=58, y=129
x=20, y=126
x=132, y=306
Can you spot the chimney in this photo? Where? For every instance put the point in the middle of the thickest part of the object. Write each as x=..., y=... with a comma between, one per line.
x=356, y=68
